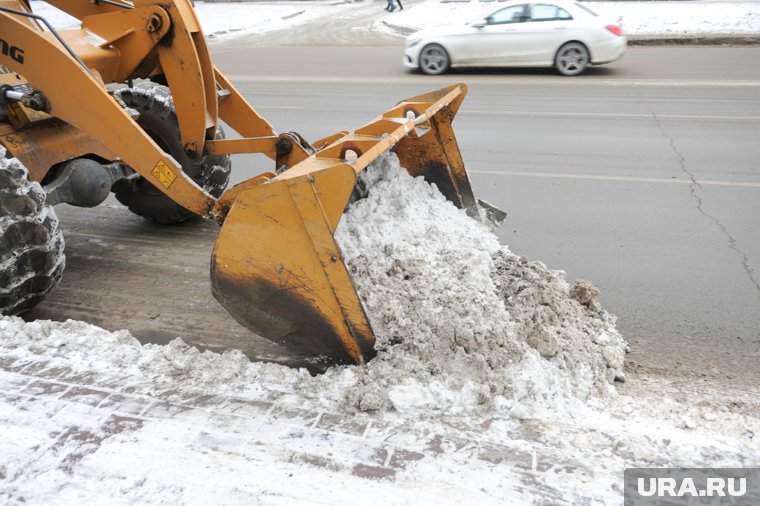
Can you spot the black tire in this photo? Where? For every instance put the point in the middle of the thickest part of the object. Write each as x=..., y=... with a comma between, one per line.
x=572, y=59
x=434, y=60
x=31, y=244
x=159, y=120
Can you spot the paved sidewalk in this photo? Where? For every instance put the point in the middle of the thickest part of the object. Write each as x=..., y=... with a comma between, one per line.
x=91, y=417
x=76, y=416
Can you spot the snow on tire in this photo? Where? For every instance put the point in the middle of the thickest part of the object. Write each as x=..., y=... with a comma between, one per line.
x=31, y=244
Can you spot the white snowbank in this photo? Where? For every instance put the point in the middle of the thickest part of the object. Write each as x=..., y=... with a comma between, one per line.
x=228, y=21
x=684, y=19
x=460, y=321
x=232, y=20
x=639, y=19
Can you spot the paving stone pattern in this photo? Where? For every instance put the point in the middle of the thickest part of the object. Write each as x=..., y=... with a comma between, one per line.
x=92, y=409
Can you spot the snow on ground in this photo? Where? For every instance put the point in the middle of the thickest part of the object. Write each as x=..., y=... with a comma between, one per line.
x=639, y=19
x=493, y=384
x=235, y=20
x=503, y=393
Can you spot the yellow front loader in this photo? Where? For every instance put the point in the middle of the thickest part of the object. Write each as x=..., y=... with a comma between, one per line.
x=130, y=102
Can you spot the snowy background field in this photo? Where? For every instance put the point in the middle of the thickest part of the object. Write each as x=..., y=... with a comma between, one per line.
x=641, y=20
x=89, y=416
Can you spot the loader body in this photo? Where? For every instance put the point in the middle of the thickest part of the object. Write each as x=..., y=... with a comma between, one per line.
x=276, y=266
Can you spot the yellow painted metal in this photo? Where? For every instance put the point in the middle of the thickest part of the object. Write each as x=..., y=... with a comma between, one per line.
x=223, y=205
x=276, y=266
x=19, y=5
x=46, y=145
x=102, y=61
x=8, y=76
x=195, y=95
x=130, y=35
x=83, y=8
x=238, y=113
x=264, y=145
x=278, y=270
x=20, y=116
x=117, y=43
x=61, y=79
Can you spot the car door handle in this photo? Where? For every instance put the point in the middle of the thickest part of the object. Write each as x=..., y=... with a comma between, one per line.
x=560, y=28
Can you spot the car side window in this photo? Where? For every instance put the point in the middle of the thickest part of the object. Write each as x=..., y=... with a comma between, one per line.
x=512, y=14
x=548, y=12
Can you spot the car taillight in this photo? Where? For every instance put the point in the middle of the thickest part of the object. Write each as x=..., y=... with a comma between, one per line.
x=615, y=29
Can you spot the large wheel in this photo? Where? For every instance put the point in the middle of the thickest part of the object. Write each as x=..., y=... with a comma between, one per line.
x=572, y=59
x=159, y=120
x=31, y=244
x=434, y=60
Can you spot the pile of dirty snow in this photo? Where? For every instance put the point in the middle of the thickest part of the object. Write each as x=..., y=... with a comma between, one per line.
x=460, y=321
x=463, y=326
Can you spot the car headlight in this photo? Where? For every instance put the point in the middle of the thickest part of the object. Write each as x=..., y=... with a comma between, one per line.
x=412, y=42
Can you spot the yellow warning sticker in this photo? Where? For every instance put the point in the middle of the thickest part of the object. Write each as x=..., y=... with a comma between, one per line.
x=164, y=174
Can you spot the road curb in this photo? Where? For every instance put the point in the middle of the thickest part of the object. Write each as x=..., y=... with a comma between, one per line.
x=694, y=41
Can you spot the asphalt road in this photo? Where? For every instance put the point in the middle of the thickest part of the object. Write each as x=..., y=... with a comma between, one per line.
x=642, y=176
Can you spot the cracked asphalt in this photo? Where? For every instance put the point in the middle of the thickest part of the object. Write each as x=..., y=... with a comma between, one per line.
x=642, y=176
x=696, y=190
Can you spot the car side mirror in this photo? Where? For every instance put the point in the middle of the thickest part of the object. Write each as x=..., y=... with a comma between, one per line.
x=480, y=23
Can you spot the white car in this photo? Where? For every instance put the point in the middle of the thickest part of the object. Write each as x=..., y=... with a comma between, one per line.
x=561, y=34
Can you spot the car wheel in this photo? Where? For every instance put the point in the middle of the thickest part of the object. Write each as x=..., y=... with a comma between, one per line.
x=434, y=59
x=572, y=59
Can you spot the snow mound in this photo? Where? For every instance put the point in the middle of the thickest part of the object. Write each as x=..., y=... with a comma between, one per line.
x=463, y=326
x=461, y=323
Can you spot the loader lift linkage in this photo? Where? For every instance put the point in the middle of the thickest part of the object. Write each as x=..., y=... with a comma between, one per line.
x=67, y=114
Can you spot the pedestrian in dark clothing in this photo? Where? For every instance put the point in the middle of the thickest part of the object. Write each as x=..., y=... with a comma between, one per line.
x=391, y=7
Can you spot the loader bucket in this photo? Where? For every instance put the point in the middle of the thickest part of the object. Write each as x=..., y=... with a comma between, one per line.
x=276, y=266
